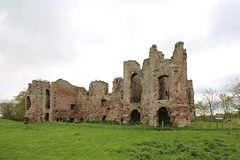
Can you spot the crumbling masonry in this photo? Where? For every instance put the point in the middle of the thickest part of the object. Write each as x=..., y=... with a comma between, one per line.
x=158, y=92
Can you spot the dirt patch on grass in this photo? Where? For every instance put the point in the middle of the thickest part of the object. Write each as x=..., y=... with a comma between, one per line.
x=234, y=150
x=207, y=150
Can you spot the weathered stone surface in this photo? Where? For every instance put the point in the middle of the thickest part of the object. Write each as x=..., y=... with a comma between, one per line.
x=158, y=92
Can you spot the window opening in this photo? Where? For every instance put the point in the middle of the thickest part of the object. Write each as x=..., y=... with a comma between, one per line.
x=136, y=88
x=47, y=99
x=163, y=91
x=103, y=103
x=28, y=103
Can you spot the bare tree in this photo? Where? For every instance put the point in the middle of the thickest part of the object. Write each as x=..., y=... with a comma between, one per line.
x=226, y=103
x=210, y=99
x=201, y=109
x=234, y=89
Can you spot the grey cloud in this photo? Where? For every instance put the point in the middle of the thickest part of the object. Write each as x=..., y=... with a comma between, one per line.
x=35, y=34
x=38, y=35
x=225, y=21
x=223, y=27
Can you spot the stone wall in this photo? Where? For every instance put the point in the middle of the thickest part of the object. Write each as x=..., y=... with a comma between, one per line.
x=156, y=93
x=35, y=100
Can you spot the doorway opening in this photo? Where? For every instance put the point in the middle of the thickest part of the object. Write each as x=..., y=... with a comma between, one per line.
x=135, y=116
x=163, y=116
x=47, y=117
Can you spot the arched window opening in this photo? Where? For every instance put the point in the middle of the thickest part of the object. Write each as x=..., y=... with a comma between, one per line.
x=47, y=117
x=103, y=103
x=135, y=116
x=163, y=88
x=28, y=103
x=47, y=99
x=136, y=88
x=163, y=116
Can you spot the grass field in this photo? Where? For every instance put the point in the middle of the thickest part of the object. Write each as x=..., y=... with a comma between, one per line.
x=46, y=140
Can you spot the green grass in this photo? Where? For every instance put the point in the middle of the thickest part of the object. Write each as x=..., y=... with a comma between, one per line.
x=45, y=140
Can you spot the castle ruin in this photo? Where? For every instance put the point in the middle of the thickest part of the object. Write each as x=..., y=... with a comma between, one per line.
x=159, y=91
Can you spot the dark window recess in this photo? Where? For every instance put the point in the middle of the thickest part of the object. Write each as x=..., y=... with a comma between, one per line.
x=163, y=88
x=47, y=99
x=73, y=106
x=28, y=103
x=136, y=88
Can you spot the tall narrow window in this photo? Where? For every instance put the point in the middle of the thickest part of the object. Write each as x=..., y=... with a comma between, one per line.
x=28, y=103
x=47, y=99
x=136, y=88
x=163, y=86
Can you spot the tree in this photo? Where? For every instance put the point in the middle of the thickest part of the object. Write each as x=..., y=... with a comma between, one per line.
x=6, y=109
x=234, y=89
x=226, y=103
x=19, y=108
x=14, y=109
x=201, y=109
x=210, y=99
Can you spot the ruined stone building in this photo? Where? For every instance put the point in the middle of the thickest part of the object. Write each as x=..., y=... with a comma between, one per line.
x=159, y=91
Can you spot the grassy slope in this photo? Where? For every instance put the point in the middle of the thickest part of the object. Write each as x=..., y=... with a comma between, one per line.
x=88, y=141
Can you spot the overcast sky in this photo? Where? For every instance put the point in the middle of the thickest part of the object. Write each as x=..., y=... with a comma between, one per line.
x=85, y=40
